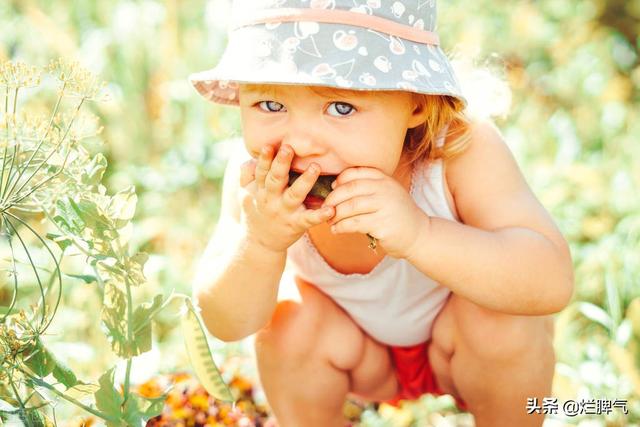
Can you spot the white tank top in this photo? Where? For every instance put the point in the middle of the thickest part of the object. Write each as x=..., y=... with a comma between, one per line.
x=394, y=303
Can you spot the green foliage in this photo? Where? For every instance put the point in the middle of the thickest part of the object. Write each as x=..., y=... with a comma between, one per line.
x=44, y=168
x=115, y=322
x=108, y=399
x=39, y=359
x=64, y=375
x=134, y=412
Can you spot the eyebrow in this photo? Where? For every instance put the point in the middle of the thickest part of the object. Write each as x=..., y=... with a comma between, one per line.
x=329, y=92
x=326, y=92
x=261, y=90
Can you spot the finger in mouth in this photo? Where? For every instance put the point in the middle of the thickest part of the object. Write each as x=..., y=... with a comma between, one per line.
x=321, y=188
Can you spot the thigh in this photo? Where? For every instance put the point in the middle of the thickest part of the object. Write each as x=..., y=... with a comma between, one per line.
x=316, y=325
x=441, y=347
x=374, y=377
x=496, y=335
x=367, y=361
x=460, y=319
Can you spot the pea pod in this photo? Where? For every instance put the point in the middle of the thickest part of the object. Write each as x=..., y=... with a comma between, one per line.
x=200, y=355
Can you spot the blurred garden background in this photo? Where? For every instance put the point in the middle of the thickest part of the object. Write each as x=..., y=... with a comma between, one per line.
x=573, y=125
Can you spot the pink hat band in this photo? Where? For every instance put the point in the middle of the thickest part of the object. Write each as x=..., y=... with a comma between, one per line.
x=337, y=16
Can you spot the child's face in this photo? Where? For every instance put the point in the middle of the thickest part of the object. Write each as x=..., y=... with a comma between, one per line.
x=336, y=129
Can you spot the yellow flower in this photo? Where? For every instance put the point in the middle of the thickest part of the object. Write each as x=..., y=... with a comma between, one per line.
x=77, y=81
x=199, y=401
x=16, y=75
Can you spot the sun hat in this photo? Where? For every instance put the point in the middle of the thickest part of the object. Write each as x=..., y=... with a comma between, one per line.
x=347, y=44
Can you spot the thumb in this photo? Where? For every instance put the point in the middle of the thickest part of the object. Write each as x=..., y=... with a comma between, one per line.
x=247, y=172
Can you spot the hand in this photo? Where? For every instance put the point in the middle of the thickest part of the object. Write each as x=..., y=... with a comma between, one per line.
x=274, y=214
x=368, y=201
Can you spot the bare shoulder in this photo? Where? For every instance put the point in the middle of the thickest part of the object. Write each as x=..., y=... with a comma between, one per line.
x=490, y=191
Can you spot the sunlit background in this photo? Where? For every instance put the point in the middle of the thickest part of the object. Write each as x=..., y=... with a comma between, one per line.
x=573, y=125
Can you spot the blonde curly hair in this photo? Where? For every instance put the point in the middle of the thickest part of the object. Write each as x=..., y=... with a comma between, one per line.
x=441, y=112
x=488, y=95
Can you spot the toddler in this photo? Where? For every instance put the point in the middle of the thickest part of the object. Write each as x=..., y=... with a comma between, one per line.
x=356, y=137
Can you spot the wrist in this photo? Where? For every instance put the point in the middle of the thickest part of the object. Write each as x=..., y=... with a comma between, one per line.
x=421, y=236
x=257, y=245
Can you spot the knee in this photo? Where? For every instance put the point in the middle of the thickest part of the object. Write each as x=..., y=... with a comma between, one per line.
x=289, y=334
x=500, y=336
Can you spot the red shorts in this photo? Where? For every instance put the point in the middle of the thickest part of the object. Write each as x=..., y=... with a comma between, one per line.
x=415, y=374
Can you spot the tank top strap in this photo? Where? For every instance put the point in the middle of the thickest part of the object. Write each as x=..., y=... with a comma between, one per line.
x=428, y=184
x=441, y=137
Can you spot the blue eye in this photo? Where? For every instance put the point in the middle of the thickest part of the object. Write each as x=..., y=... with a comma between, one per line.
x=343, y=109
x=278, y=107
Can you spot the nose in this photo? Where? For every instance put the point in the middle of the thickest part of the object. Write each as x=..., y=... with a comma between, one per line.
x=304, y=138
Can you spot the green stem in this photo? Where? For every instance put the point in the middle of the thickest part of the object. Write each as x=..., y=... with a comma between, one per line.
x=33, y=265
x=18, y=198
x=14, y=272
x=98, y=278
x=127, y=383
x=16, y=149
x=127, y=376
x=53, y=115
x=17, y=192
x=14, y=155
x=4, y=157
x=69, y=399
x=15, y=101
x=59, y=297
x=15, y=392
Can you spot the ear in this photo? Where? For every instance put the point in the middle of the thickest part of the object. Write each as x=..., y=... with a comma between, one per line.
x=418, y=111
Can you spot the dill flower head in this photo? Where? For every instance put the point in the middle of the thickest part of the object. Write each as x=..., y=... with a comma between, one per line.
x=18, y=74
x=39, y=152
x=77, y=81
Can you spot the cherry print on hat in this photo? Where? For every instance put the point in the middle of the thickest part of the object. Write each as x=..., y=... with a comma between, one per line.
x=355, y=44
x=382, y=63
x=344, y=41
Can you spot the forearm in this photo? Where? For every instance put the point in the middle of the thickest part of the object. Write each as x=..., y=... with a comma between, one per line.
x=238, y=292
x=512, y=270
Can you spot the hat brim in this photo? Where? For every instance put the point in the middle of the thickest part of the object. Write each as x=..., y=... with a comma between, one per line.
x=367, y=60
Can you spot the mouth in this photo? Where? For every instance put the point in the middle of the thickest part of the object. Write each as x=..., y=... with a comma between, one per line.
x=318, y=192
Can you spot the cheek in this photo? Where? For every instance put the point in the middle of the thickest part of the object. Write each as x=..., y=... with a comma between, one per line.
x=392, y=159
x=252, y=144
x=391, y=140
x=382, y=151
x=390, y=144
x=253, y=139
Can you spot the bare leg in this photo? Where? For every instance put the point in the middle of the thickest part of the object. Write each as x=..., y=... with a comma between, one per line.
x=304, y=357
x=499, y=361
x=309, y=394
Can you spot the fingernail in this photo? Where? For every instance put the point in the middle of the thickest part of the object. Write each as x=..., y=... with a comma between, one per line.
x=333, y=185
x=284, y=151
x=326, y=210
